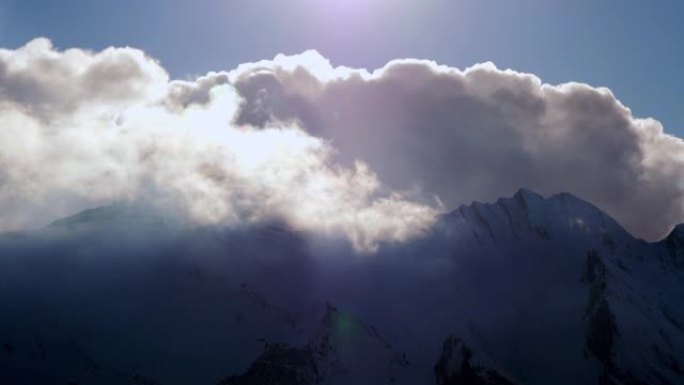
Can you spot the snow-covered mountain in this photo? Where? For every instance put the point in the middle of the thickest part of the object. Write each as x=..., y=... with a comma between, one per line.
x=526, y=290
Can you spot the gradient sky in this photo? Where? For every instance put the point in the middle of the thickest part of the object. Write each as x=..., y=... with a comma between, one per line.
x=631, y=47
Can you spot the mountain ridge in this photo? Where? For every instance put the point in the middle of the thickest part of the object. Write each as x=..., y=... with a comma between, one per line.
x=525, y=290
x=524, y=198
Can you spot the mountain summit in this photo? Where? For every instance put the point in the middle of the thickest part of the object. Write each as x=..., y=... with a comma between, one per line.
x=528, y=215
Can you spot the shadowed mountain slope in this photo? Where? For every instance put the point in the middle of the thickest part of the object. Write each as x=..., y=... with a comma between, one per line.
x=525, y=290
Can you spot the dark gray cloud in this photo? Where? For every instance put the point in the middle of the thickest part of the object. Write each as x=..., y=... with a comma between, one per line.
x=478, y=134
x=184, y=94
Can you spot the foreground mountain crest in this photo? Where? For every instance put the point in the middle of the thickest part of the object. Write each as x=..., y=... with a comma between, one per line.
x=525, y=290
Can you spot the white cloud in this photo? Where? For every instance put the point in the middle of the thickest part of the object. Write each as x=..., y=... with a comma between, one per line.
x=81, y=128
x=477, y=134
x=50, y=84
x=328, y=149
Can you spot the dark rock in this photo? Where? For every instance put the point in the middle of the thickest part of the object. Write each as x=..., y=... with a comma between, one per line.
x=456, y=367
x=280, y=364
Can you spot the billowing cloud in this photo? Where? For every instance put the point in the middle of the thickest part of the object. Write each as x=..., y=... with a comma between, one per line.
x=80, y=128
x=49, y=84
x=476, y=134
x=326, y=149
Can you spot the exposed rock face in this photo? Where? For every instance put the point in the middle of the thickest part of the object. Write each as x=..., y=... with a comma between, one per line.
x=280, y=364
x=601, y=329
x=675, y=246
x=337, y=354
x=458, y=366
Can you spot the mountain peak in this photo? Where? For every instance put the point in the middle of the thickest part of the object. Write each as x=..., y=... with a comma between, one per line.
x=677, y=232
x=527, y=195
x=528, y=214
x=117, y=215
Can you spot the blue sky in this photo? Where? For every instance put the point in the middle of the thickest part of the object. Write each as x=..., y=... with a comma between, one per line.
x=633, y=47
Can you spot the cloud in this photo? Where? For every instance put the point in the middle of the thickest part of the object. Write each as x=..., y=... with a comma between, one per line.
x=480, y=133
x=327, y=149
x=82, y=128
x=183, y=94
x=49, y=84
